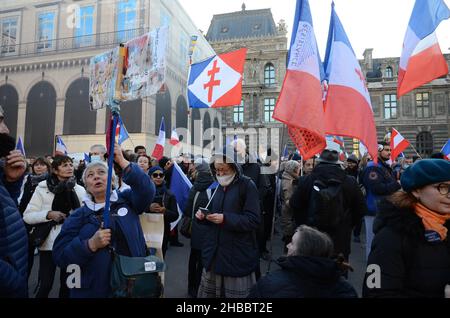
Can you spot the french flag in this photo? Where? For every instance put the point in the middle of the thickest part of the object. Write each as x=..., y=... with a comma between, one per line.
x=422, y=60
x=158, y=152
x=348, y=110
x=61, y=148
x=398, y=144
x=446, y=150
x=217, y=81
x=300, y=104
x=20, y=146
x=174, y=139
x=121, y=132
x=180, y=187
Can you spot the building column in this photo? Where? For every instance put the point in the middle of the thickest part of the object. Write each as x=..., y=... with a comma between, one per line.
x=21, y=119
x=59, y=116
x=101, y=121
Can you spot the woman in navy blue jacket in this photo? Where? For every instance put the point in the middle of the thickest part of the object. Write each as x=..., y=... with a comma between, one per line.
x=82, y=240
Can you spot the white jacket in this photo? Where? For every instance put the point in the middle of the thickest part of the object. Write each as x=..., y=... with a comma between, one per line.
x=39, y=206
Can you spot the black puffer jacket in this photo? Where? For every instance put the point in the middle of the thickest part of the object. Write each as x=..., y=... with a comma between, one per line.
x=410, y=266
x=304, y=277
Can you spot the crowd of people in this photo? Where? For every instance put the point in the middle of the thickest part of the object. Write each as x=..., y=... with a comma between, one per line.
x=53, y=207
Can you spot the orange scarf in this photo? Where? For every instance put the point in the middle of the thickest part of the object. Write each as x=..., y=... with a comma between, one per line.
x=432, y=221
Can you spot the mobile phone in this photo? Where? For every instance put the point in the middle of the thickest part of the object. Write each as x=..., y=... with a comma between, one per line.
x=205, y=211
x=158, y=199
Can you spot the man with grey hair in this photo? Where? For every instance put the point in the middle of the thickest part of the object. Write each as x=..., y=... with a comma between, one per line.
x=307, y=271
x=97, y=152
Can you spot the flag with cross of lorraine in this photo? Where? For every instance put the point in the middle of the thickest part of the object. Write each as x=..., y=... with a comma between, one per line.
x=217, y=81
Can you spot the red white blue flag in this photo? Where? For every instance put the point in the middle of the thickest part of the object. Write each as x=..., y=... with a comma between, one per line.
x=61, y=148
x=158, y=152
x=174, y=139
x=348, y=110
x=398, y=144
x=446, y=150
x=422, y=60
x=300, y=105
x=217, y=81
x=121, y=132
x=20, y=147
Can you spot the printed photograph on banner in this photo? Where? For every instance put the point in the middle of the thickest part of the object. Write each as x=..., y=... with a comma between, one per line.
x=102, y=78
x=146, y=64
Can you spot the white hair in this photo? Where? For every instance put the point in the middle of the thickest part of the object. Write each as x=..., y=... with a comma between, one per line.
x=239, y=142
x=93, y=165
x=101, y=148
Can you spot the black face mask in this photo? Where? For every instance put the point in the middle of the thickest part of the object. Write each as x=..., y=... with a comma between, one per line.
x=7, y=144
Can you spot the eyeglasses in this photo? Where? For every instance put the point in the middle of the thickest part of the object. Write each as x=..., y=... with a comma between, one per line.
x=158, y=175
x=443, y=188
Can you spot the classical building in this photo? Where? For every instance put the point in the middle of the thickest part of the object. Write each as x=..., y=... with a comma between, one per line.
x=421, y=116
x=264, y=72
x=46, y=47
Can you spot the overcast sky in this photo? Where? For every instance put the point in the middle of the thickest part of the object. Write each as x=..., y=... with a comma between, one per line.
x=377, y=24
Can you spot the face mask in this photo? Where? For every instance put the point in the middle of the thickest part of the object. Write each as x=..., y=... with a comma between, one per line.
x=225, y=181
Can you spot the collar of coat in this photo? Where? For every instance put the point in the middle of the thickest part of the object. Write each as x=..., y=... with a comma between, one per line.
x=97, y=206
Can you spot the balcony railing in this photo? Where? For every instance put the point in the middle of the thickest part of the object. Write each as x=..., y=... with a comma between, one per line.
x=62, y=45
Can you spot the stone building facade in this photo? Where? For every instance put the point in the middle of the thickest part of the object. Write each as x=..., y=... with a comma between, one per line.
x=264, y=73
x=46, y=47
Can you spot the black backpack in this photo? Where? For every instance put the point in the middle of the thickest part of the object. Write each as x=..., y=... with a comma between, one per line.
x=327, y=210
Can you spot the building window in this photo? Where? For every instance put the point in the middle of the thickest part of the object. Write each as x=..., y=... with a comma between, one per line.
x=85, y=27
x=269, y=74
x=46, y=30
x=238, y=113
x=390, y=106
x=126, y=20
x=424, y=143
x=269, y=106
x=355, y=147
x=9, y=34
x=389, y=73
x=423, y=105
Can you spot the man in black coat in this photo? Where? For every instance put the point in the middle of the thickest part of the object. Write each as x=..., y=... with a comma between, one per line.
x=329, y=167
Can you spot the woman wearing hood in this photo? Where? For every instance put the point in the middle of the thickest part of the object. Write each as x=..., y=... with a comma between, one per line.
x=410, y=255
x=229, y=251
x=52, y=201
x=84, y=242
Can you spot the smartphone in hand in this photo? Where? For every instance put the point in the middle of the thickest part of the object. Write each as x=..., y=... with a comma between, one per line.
x=205, y=211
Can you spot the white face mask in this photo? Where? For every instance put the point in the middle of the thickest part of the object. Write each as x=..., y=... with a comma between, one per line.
x=225, y=181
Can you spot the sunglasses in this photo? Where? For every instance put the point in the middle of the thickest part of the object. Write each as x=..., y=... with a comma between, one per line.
x=158, y=175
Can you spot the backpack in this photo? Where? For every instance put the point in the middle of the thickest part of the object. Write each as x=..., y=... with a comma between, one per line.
x=326, y=210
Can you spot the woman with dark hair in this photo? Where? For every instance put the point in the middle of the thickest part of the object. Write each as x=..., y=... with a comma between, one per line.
x=410, y=255
x=164, y=202
x=53, y=200
x=144, y=162
x=40, y=169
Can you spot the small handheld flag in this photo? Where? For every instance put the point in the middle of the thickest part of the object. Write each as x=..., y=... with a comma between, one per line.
x=20, y=147
x=60, y=146
x=174, y=140
x=446, y=150
x=398, y=144
x=158, y=152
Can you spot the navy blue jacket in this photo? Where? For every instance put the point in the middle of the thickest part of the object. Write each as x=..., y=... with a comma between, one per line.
x=13, y=242
x=71, y=246
x=230, y=249
x=379, y=181
x=304, y=277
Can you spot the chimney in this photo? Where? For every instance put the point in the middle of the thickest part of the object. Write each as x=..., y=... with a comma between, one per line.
x=368, y=59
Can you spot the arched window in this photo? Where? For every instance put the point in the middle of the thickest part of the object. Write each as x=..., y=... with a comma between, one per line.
x=269, y=74
x=163, y=108
x=389, y=72
x=216, y=123
x=131, y=113
x=78, y=118
x=424, y=143
x=40, y=120
x=206, y=125
x=9, y=100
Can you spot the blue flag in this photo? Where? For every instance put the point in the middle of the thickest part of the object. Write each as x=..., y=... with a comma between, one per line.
x=121, y=131
x=20, y=147
x=180, y=187
x=87, y=159
x=446, y=150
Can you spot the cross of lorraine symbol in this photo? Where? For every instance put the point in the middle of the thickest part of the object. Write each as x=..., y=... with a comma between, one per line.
x=213, y=82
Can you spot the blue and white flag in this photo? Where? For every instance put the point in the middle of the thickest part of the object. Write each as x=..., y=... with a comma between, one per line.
x=20, y=147
x=121, y=131
x=180, y=187
x=60, y=146
x=446, y=150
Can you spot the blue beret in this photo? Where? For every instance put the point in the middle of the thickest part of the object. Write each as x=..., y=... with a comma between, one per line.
x=155, y=168
x=425, y=172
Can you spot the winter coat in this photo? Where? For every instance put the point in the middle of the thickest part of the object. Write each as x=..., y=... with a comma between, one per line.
x=287, y=216
x=201, y=184
x=230, y=249
x=353, y=200
x=379, y=181
x=71, y=246
x=13, y=243
x=410, y=266
x=304, y=277
x=39, y=206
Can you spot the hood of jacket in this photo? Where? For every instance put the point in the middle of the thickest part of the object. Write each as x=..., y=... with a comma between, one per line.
x=203, y=181
x=326, y=171
x=231, y=158
x=318, y=269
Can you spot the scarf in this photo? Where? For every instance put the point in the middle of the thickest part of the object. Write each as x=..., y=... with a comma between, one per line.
x=433, y=222
x=66, y=198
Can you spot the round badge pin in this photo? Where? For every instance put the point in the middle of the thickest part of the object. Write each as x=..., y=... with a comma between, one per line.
x=122, y=211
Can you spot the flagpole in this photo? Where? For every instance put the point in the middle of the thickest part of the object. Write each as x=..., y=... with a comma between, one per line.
x=415, y=150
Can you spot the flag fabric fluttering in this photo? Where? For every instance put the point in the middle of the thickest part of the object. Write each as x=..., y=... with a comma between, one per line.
x=446, y=150
x=174, y=140
x=121, y=132
x=217, y=81
x=87, y=159
x=300, y=104
x=20, y=146
x=158, y=151
x=398, y=144
x=422, y=60
x=180, y=187
x=348, y=109
x=285, y=155
x=61, y=148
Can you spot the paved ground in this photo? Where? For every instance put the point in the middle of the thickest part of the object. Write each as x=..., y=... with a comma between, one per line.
x=177, y=268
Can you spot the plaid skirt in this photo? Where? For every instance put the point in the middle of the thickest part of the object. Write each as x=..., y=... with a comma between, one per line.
x=217, y=286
